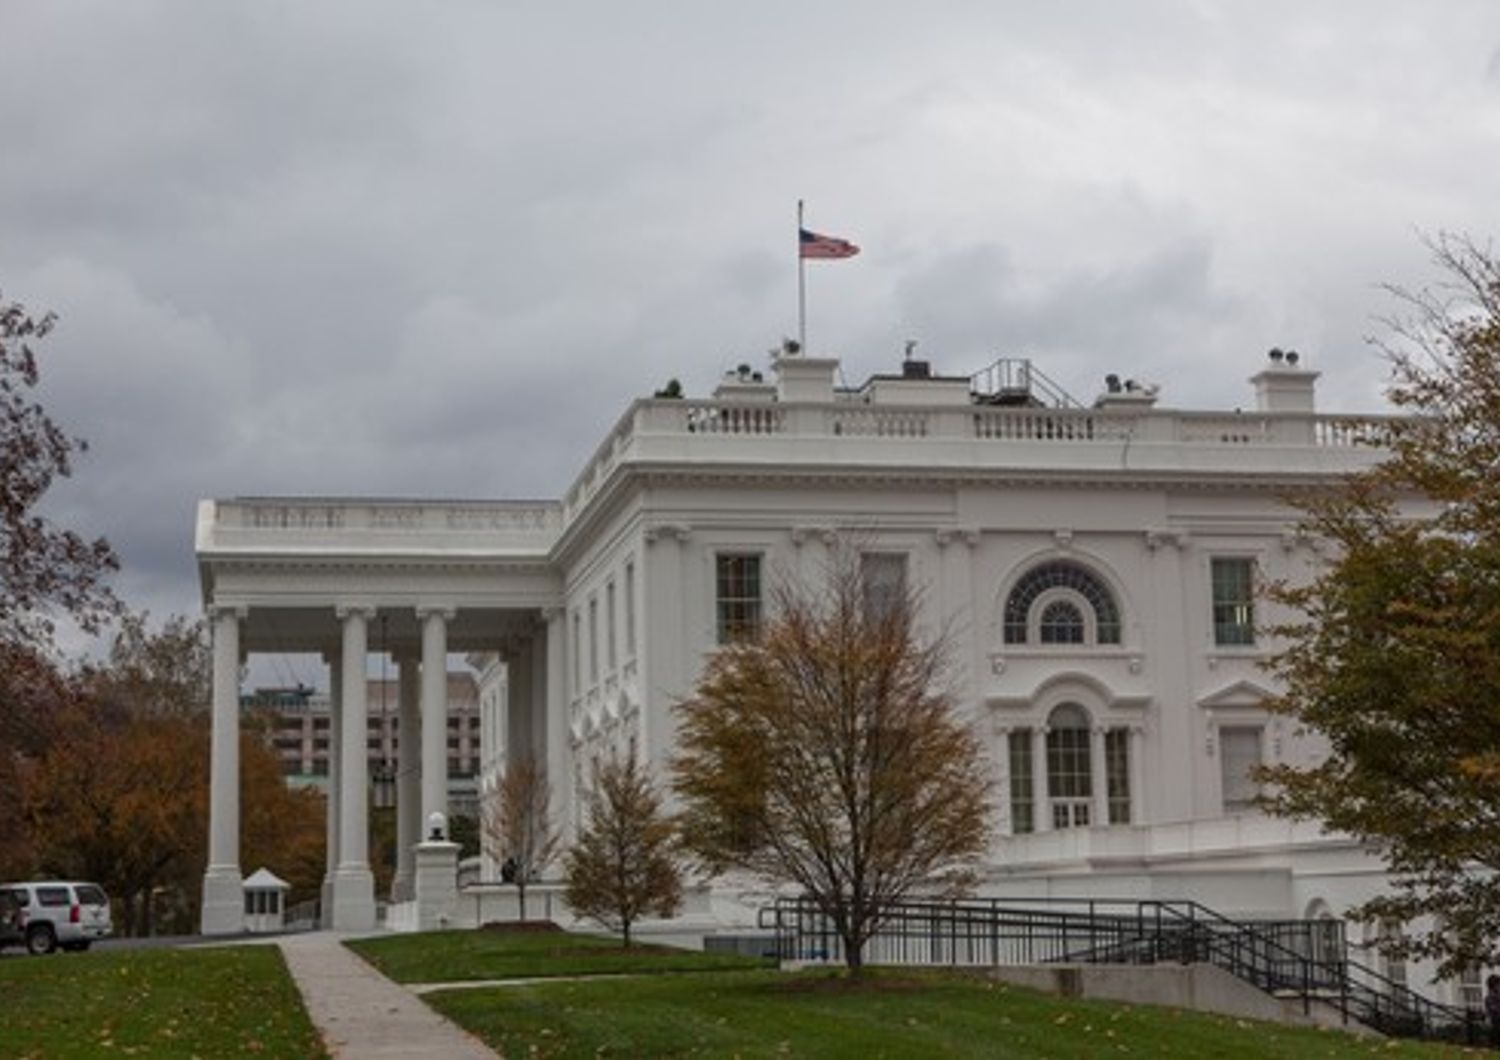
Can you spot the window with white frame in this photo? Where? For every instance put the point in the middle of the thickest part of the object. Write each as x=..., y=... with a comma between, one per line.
x=737, y=596
x=1239, y=757
x=577, y=650
x=593, y=639
x=630, y=610
x=882, y=578
x=1469, y=990
x=1061, y=622
x=1022, y=782
x=1233, y=589
x=1070, y=782
x=1117, y=774
x=1033, y=611
x=612, y=655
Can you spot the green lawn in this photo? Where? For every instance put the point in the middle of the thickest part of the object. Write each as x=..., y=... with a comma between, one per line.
x=451, y=956
x=894, y=1014
x=230, y=1001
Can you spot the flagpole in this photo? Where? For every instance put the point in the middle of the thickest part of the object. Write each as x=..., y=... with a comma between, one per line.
x=801, y=287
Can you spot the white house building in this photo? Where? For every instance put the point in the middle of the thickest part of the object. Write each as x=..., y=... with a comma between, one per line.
x=1097, y=565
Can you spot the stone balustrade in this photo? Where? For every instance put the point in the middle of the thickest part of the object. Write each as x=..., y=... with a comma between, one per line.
x=856, y=422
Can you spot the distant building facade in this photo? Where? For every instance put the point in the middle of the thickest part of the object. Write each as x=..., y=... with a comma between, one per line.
x=301, y=739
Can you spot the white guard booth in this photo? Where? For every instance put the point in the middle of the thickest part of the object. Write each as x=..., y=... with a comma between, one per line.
x=265, y=902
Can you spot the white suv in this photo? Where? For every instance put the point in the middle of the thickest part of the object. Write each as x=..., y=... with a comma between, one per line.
x=53, y=914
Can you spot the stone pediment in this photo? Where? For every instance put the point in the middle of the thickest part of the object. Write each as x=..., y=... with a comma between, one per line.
x=1240, y=693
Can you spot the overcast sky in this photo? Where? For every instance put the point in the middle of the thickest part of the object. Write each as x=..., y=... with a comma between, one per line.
x=434, y=249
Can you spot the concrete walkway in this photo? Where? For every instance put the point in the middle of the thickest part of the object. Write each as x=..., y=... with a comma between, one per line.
x=361, y=1013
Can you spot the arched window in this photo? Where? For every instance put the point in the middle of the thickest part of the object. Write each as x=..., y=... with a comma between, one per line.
x=1078, y=586
x=1061, y=623
x=1070, y=786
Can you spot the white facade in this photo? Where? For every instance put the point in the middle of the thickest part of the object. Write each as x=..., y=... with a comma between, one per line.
x=1074, y=551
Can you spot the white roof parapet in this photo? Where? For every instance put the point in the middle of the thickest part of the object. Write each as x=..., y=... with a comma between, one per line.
x=316, y=525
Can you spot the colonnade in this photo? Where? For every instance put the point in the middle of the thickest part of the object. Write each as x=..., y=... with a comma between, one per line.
x=422, y=774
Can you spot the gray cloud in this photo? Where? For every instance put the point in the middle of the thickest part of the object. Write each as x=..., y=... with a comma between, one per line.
x=356, y=248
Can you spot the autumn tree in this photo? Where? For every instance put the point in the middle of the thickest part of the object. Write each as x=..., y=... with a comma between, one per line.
x=1394, y=655
x=828, y=754
x=44, y=569
x=623, y=865
x=517, y=821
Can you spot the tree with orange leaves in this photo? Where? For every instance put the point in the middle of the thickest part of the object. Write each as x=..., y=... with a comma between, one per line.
x=827, y=753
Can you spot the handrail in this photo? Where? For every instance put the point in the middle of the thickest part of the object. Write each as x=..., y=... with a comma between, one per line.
x=1303, y=960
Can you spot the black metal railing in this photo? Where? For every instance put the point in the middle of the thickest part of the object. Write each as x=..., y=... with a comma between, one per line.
x=1299, y=960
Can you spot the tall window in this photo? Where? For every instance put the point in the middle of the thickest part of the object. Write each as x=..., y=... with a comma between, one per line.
x=577, y=650
x=1239, y=754
x=593, y=639
x=630, y=610
x=1022, y=783
x=738, y=604
x=1081, y=588
x=883, y=579
x=1117, y=774
x=609, y=625
x=1233, y=600
x=1070, y=785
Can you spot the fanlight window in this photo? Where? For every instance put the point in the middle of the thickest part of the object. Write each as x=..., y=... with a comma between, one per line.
x=1061, y=621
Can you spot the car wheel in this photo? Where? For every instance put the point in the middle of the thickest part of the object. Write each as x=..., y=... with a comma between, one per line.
x=40, y=940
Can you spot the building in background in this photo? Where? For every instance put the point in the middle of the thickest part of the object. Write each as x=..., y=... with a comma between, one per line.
x=299, y=735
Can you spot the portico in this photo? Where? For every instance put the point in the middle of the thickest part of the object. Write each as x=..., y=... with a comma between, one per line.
x=356, y=580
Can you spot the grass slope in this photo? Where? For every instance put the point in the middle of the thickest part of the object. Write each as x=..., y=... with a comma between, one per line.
x=232, y=1001
x=905, y=1014
x=453, y=956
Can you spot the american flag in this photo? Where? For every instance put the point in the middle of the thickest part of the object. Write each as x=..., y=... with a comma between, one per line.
x=815, y=246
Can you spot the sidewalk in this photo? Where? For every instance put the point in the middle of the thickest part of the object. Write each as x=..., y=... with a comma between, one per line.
x=361, y=1013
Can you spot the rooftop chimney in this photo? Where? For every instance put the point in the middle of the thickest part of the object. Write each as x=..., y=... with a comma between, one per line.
x=1284, y=385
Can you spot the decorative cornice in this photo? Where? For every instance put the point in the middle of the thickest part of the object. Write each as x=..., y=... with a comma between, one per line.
x=678, y=532
x=946, y=535
x=1156, y=539
x=800, y=535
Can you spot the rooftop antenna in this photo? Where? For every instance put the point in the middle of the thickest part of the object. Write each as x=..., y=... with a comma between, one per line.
x=911, y=346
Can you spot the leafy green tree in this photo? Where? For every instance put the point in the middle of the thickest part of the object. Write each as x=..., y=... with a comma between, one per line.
x=1394, y=655
x=827, y=753
x=623, y=865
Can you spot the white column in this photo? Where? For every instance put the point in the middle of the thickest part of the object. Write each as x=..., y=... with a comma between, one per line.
x=1039, y=778
x=223, y=887
x=521, y=702
x=353, y=884
x=408, y=775
x=334, y=658
x=434, y=622
x=559, y=775
x=537, y=713
x=1100, y=787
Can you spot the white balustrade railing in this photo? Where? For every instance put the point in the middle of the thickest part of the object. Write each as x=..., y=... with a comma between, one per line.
x=842, y=419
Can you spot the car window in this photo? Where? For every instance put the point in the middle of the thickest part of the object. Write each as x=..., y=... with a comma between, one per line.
x=22, y=898
x=52, y=896
x=88, y=894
